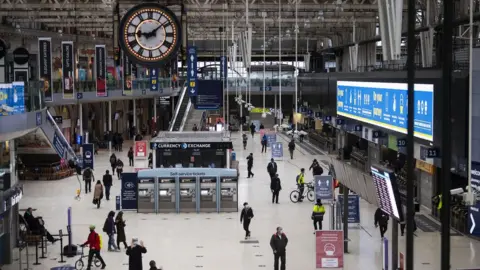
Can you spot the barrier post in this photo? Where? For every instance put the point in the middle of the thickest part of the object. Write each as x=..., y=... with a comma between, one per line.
x=43, y=248
x=36, y=254
x=60, y=233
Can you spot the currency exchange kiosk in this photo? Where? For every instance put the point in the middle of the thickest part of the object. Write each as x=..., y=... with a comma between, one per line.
x=228, y=194
x=146, y=196
x=208, y=193
x=187, y=194
x=167, y=194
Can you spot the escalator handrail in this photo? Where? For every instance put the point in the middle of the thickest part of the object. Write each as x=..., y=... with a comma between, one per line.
x=184, y=119
x=179, y=104
x=58, y=130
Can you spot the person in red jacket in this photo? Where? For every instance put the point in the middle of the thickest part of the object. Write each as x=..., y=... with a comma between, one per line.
x=93, y=241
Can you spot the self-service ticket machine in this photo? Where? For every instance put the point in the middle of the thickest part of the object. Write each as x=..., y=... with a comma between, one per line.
x=208, y=194
x=167, y=195
x=146, y=196
x=228, y=194
x=187, y=194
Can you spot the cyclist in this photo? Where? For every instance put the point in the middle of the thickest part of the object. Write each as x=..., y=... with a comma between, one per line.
x=301, y=184
x=317, y=215
x=93, y=241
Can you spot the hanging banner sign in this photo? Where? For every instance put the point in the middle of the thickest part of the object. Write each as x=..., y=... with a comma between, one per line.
x=88, y=155
x=129, y=191
x=223, y=68
x=101, y=70
x=140, y=149
x=58, y=145
x=192, y=71
x=127, y=76
x=68, y=70
x=45, y=66
x=329, y=249
x=154, y=79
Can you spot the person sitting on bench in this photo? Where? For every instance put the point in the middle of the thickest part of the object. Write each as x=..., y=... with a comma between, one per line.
x=36, y=225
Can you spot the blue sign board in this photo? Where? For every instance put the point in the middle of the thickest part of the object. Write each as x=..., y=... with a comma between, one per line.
x=310, y=112
x=433, y=153
x=328, y=118
x=401, y=142
x=223, y=68
x=358, y=128
x=58, y=145
x=353, y=207
x=475, y=176
x=88, y=155
x=340, y=122
x=376, y=134
x=209, y=95
x=154, y=79
x=192, y=71
x=271, y=139
x=303, y=109
x=38, y=118
x=118, y=207
x=12, y=98
x=129, y=191
x=385, y=105
x=318, y=114
x=79, y=95
x=78, y=139
x=277, y=150
x=324, y=187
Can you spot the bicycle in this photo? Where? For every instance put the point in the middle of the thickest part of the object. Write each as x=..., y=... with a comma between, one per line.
x=309, y=192
x=79, y=263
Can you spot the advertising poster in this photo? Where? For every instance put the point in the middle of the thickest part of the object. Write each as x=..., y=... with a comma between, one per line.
x=129, y=191
x=58, y=145
x=127, y=80
x=154, y=79
x=140, y=151
x=329, y=249
x=324, y=187
x=353, y=207
x=101, y=70
x=68, y=70
x=45, y=66
x=12, y=98
x=277, y=150
x=88, y=156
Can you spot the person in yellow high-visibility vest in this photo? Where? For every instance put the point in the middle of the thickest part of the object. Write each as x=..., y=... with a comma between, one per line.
x=440, y=202
x=317, y=215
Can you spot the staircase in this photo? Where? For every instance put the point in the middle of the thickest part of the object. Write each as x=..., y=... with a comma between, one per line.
x=194, y=117
x=56, y=139
x=181, y=112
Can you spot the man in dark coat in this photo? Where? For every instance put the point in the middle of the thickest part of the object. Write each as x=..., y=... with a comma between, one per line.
x=381, y=221
x=134, y=253
x=275, y=186
x=107, y=183
x=245, y=218
x=250, y=165
x=88, y=177
x=272, y=168
x=278, y=243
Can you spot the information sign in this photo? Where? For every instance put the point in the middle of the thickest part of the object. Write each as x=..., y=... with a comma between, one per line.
x=388, y=195
x=129, y=191
x=277, y=150
x=140, y=149
x=329, y=249
x=58, y=145
x=271, y=138
x=209, y=95
x=192, y=71
x=88, y=155
x=324, y=187
x=353, y=207
x=154, y=79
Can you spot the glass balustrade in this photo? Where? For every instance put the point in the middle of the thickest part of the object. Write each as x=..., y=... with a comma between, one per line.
x=34, y=97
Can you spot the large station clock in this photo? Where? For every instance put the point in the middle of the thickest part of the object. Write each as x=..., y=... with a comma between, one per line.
x=149, y=34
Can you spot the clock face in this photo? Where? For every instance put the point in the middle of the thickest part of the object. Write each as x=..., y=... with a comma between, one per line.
x=150, y=34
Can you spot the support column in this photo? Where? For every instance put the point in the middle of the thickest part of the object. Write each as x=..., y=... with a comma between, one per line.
x=154, y=114
x=135, y=116
x=110, y=126
x=13, y=165
x=345, y=218
x=394, y=243
x=80, y=117
x=426, y=38
x=390, y=15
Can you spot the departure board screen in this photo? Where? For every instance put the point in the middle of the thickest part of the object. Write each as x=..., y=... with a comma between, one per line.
x=387, y=191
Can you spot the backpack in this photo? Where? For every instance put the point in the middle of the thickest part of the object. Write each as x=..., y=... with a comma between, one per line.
x=105, y=228
x=296, y=179
x=87, y=174
x=100, y=244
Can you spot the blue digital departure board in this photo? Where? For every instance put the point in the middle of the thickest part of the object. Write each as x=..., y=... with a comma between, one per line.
x=385, y=105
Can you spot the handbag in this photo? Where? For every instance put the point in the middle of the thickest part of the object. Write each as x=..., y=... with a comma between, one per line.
x=95, y=201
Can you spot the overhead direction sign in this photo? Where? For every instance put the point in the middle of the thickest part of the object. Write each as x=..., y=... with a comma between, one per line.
x=192, y=71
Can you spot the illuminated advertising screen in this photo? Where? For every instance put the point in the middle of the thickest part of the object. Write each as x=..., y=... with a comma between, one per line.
x=385, y=105
x=386, y=187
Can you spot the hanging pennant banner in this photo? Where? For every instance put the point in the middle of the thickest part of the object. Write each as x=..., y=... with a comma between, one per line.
x=68, y=70
x=127, y=76
x=101, y=70
x=45, y=66
x=154, y=79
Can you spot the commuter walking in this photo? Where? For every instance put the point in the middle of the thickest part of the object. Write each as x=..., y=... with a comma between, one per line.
x=130, y=156
x=250, y=165
x=245, y=139
x=317, y=215
x=113, y=162
x=403, y=225
x=301, y=183
x=252, y=129
x=87, y=178
x=119, y=169
x=381, y=221
x=109, y=229
x=150, y=160
x=246, y=217
x=98, y=194
x=278, y=243
x=272, y=168
x=316, y=168
x=94, y=242
x=275, y=186
x=120, y=226
x=291, y=148
x=264, y=143
x=107, y=183
x=134, y=253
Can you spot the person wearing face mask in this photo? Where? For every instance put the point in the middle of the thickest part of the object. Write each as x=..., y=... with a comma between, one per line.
x=278, y=243
x=245, y=217
x=93, y=241
x=134, y=253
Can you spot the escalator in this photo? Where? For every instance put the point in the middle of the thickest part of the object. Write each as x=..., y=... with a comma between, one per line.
x=56, y=139
x=181, y=112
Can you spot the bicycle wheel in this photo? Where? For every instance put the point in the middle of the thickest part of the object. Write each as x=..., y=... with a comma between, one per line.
x=97, y=262
x=311, y=195
x=294, y=195
x=79, y=264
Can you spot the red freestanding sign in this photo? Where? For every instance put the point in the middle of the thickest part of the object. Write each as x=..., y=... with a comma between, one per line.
x=140, y=149
x=329, y=249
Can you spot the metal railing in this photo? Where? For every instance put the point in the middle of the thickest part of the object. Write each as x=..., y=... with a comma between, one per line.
x=185, y=116
x=179, y=104
x=60, y=133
